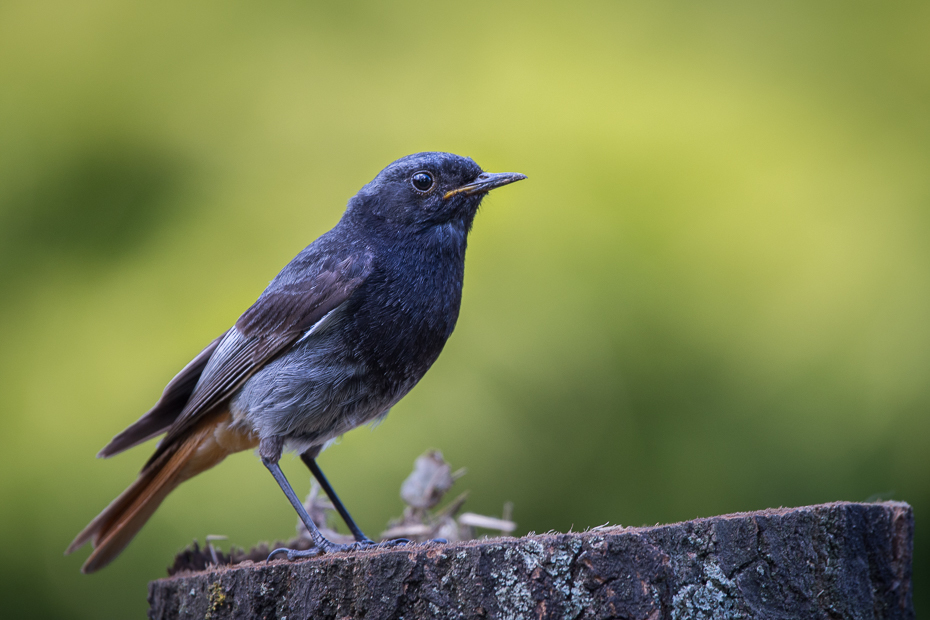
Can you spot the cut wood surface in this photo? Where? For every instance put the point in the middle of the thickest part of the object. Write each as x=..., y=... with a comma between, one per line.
x=840, y=560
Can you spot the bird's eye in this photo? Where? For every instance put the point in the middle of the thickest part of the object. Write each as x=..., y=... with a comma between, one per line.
x=422, y=181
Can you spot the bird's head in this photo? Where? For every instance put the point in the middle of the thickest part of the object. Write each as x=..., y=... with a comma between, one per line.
x=428, y=189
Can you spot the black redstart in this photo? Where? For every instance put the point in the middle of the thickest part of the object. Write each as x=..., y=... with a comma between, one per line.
x=339, y=336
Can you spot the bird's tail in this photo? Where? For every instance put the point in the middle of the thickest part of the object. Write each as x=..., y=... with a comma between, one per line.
x=205, y=445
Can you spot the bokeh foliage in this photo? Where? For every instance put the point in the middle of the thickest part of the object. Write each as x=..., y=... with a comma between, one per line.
x=712, y=294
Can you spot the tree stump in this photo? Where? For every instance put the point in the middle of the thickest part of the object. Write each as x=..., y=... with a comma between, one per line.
x=839, y=560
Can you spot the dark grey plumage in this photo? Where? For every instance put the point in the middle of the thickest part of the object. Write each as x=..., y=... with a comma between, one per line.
x=341, y=334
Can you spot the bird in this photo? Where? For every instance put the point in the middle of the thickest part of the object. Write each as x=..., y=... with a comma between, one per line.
x=338, y=337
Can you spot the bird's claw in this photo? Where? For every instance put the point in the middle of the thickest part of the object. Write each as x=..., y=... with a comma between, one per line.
x=362, y=545
x=295, y=554
x=394, y=542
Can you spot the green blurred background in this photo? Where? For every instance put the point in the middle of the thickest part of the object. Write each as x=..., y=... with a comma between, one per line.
x=712, y=294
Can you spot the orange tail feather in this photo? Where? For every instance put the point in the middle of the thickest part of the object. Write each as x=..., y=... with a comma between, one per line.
x=205, y=445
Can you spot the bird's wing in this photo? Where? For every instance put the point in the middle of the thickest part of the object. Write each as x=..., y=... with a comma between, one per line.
x=304, y=293
x=167, y=409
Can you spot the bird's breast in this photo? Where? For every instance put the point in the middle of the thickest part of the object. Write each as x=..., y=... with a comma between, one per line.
x=405, y=313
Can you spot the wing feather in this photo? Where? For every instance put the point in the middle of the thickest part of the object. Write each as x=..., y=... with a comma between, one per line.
x=176, y=394
x=290, y=306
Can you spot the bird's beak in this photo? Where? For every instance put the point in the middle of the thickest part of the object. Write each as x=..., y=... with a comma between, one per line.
x=485, y=182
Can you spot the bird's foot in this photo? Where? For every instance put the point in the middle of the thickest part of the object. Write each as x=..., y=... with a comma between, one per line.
x=361, y=545
x=295, y=554
x=387, y=544
x=366, y=544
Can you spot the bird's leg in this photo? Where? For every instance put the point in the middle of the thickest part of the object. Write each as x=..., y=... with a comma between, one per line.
x=270, y=451
x=310, y=461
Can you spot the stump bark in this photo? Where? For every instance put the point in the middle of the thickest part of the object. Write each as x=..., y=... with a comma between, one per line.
x=839, y=560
